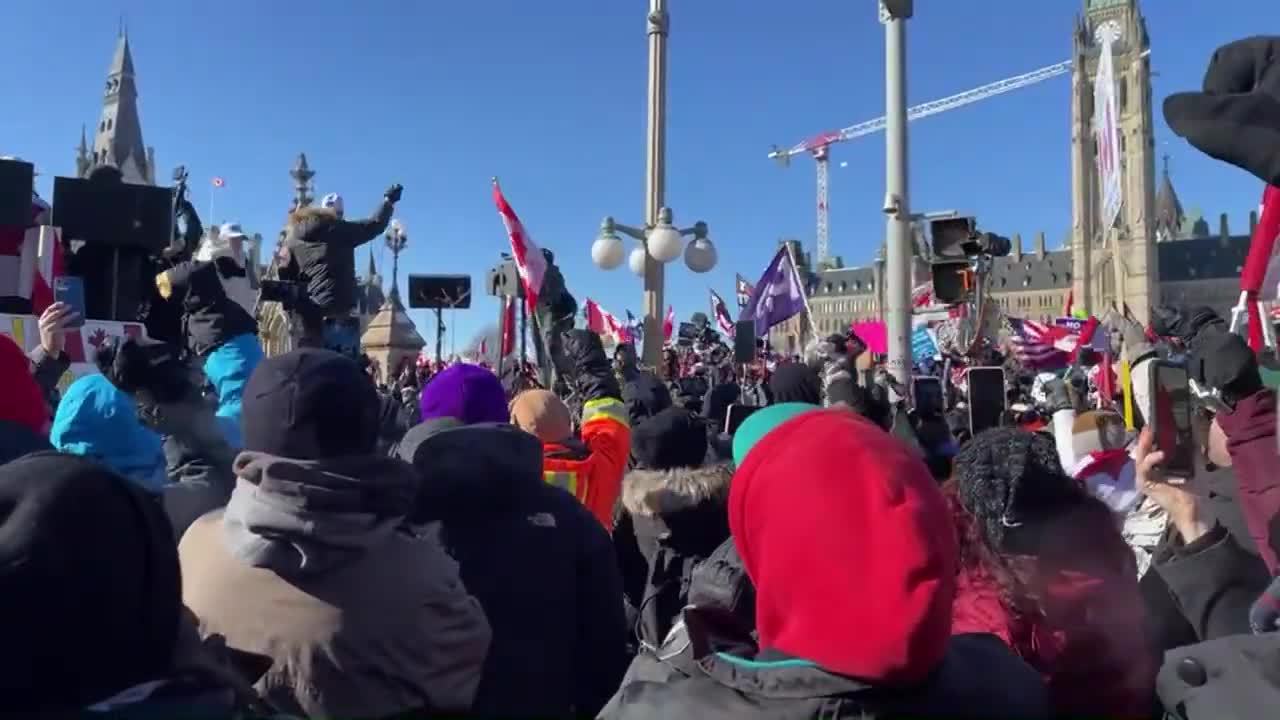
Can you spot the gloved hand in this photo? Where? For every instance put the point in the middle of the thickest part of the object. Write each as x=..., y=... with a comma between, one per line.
x=1236, y=118
x=1184, y=323
x=393, y=193
x=592, y=370
x=1225, y=362
x=1134, y=343
x=1059, y=395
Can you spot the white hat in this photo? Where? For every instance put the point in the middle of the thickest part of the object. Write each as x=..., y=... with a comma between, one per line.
x=232, y=231
x=332, y=201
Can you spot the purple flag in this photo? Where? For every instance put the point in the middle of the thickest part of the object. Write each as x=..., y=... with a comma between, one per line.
x=777, y=297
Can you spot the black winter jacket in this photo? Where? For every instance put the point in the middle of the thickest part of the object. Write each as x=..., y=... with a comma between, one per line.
x=322, y=254
x=540, y=564
x=673, y=519
x=209, y=317
x=979, y=678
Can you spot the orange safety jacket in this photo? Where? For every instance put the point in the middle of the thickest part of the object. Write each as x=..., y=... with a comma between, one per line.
x=593, y=473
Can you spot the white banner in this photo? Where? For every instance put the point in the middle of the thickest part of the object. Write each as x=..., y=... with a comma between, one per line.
x=1107, y=138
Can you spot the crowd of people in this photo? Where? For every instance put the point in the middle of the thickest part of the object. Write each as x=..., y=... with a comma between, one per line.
x=267, y=542
x=201, y=531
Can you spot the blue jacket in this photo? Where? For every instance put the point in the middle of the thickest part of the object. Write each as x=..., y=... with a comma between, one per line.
x=97, y=420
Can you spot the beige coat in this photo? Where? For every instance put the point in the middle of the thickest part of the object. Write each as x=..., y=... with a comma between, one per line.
x=392, y=631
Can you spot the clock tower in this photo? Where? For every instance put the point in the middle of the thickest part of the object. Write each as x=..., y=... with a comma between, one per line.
x=1116, y=266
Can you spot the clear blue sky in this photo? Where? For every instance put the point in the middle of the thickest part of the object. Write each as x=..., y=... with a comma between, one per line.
x=550, y=96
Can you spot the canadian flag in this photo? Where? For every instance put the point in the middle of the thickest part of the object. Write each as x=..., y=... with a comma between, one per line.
x=530, y=263
x=669, y=323
x=219, y=182
x=603, y=322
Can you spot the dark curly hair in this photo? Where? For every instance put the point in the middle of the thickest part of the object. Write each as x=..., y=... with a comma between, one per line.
x=1017, y=513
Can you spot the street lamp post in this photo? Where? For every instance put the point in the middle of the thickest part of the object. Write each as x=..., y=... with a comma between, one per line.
x=397, y=239
x=658, y=23
x=660, y=241
x=894, y=15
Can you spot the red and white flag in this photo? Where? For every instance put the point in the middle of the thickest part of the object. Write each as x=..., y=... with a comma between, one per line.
x=720, y=312
x=1069, y=306
x=219, y=182
x=529, y=261
x=603, y=322
x=484, y=347
x=669, y=323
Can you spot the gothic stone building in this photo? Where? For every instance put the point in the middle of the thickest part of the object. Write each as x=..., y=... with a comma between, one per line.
x=1156, y=253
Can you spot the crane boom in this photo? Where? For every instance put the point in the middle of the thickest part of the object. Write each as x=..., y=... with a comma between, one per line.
x=820, y=145
x=933, y=107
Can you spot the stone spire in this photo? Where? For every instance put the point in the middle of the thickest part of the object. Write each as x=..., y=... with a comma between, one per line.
x=118, y=140
x=1169, y=214
x=303, y=190
x=373, y=268
x=83, y=161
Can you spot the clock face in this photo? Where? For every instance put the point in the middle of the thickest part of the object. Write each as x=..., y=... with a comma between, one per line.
x=1108, y=32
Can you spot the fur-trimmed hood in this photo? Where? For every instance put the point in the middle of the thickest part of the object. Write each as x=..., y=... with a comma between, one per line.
x=646, y=493
x=312, y=213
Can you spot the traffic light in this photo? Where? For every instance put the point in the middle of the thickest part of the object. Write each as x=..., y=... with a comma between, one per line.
x=953, y=281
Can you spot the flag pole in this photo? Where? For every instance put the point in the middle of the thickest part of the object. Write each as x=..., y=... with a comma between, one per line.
x=795, y=271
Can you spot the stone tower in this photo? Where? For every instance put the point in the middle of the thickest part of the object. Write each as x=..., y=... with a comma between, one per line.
x=303, y=190
x=1118, y=267
x=117, y=141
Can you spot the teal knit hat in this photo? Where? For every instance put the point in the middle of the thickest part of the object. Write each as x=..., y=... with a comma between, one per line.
x=761, y=422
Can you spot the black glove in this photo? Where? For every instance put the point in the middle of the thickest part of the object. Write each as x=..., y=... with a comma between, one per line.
x=1225, y=362
x=591, y=368
x=393, y=193
x=1236, y=118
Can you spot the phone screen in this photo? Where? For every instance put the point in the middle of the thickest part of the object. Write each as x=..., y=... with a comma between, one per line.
x=926, y=391
x=70, y=290
x=986, y=397
x=736, y=415
x=1171, y=418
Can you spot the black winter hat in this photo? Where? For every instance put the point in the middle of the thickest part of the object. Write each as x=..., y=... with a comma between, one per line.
x=90, y=591
x=1225, y=362
x=1006, y=477
x=310, y=404
x=1236, y=118
x=673, y=438
x=796, y=382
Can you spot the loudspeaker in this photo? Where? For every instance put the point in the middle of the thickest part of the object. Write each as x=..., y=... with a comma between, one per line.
x=17, y=182
x=115, y=214
x=504, y=281
x=440, y=291
x=744, y=341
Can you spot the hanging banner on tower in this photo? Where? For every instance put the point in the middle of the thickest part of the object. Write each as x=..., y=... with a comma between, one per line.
x=1107, y=137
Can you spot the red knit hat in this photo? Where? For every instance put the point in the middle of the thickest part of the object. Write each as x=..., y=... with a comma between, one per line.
x=21, y=402
x=850, y=545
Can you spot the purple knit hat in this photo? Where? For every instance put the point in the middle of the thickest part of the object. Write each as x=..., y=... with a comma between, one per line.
x=468, y=393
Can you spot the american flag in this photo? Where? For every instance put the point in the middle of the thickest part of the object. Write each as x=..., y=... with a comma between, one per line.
x=1039, y=346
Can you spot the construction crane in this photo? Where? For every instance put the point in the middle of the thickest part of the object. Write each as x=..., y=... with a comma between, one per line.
x=819, y=146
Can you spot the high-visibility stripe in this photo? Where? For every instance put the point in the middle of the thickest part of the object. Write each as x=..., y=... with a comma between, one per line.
x=605, y=408
x=564, y=480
